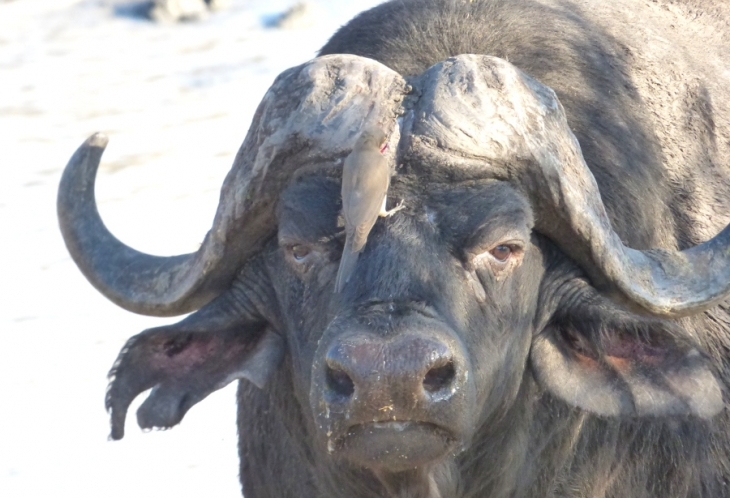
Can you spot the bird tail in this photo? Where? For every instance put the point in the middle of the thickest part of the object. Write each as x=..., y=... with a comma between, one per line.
x=347, y=266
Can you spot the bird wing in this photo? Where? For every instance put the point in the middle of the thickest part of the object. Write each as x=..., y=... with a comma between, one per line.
x=367, y=189
x=347, y=266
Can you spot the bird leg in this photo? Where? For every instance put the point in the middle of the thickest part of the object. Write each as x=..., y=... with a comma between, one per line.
x=384, y=213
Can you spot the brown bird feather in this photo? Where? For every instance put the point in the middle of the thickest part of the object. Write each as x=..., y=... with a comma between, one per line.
x=365, y=182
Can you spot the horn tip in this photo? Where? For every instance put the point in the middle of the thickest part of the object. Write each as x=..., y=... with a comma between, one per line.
x=98, y=139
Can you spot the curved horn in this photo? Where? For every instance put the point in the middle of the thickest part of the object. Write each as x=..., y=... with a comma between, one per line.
x=483, y=117
x=132, y=279
x=312, y=114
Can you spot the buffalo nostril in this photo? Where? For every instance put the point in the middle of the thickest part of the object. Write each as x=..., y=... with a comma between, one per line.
x=439, y=378
x=339, y=382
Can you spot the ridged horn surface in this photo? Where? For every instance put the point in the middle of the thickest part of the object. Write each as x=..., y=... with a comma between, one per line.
x=482, y=116
x=310, y=116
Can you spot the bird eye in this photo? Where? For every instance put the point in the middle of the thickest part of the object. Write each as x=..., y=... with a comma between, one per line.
x=501, y=253
x=299, y=252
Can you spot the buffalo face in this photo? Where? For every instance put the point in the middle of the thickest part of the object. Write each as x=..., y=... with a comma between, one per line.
x=430, y=337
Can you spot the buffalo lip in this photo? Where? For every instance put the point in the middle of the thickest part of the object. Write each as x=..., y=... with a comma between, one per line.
x=394, y=445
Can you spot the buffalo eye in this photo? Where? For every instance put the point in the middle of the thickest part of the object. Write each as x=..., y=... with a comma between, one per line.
x=505, y=255
x=299, y=252
x=501, y=253
x=501, y=259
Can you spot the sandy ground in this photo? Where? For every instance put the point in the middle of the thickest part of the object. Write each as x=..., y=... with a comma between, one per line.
x=176, y=102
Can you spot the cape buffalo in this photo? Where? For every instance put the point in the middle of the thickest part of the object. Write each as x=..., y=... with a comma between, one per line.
x=542, y=319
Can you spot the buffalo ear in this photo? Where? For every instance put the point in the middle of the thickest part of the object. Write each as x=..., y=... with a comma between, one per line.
x=183, y=364
x=614, y=363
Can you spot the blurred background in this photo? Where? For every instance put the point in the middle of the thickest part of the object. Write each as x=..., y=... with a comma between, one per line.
x=174, y=84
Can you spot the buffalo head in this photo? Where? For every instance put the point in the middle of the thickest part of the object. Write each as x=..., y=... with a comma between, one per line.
x=502, y=274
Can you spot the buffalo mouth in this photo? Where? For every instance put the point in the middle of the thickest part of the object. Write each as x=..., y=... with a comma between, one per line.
x=393, y=446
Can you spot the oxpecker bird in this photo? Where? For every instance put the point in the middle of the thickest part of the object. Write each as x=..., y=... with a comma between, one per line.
x=365, y=182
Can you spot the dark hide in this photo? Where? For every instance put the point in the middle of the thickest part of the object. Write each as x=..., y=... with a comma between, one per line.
x=448, y=221
x=568, y=393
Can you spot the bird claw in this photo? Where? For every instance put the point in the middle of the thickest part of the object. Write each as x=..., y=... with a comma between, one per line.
x=390, y=212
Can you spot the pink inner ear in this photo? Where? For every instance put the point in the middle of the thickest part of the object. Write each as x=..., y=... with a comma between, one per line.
x=618, y=349
x=633, y=349
x=616, y=372
x=179, y=355
x=382, y=149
